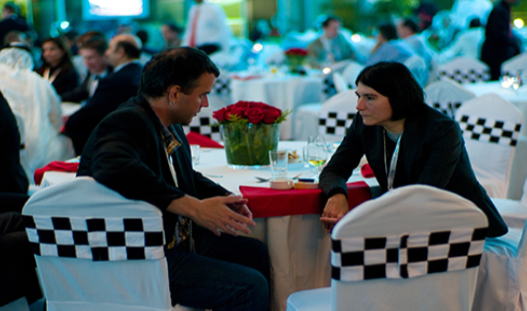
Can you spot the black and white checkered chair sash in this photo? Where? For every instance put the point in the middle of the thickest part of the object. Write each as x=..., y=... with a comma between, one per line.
x=407, y=255
x=96, y=239
x=222, y=85
x=334, y=122
x=489, y=130
x=465, y=76
x=447, y=108
x=204, y=125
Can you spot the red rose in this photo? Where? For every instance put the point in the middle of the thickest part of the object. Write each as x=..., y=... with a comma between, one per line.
x=254, y=115
x=219, y=114
x=270, y=115
x=235, y=111
x=241, y=104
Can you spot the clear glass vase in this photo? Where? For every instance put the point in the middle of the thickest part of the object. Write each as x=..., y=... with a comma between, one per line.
x=247, y=145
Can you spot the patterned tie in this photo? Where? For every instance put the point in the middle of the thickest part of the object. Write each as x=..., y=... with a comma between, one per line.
x=192, y=42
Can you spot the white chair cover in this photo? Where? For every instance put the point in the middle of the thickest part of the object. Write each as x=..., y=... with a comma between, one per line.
x=83, y=284
x=502, y=276
x=446, y=96
x=515, y=65
x=403, y=211
x=305, y=120
x=491, y=127
x=336, y=115
x=220, y=96
x=418, y=68
x=203, y=123
x=340, y=83
x=464, y=70
x=351, y=72
x=514, y=213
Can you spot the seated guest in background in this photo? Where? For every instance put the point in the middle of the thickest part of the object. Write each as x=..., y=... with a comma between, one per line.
x=331, y=47
x=406, y=142
x=11, y=21
x=171, y=34
x=123, y=54
x=141, y=151
x=93, y=52
x=36, y=103
x=389, y=48
x=408, y=30
x=207, y=28
x=78, y=60
x=143, y=36
x=57, y=67
x=16, y=36
x=467, y=43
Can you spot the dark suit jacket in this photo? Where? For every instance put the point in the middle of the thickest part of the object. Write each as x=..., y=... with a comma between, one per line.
x=81, y=92
x=499, y=43
x=127, y=154
x=12, y=23
x=112, y=91
x=432, y=152
x=13, y=179
x=67, y=79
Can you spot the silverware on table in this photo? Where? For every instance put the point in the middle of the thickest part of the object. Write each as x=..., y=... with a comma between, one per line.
x=261, y=179
x=214, y=176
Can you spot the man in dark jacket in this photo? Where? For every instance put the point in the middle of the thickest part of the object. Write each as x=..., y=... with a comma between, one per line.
x=11, y=21
x=123, y=54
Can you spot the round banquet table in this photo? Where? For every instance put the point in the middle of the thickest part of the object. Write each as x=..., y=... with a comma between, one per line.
x=284, y=92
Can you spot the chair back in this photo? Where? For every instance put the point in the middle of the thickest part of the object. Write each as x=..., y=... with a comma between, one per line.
x=491, y=127
x=336, y=115
x=85, y=236
x=220, y=96
x=464, y=70
x=418, y=68
x=446, y=96
x=514, y=66
x=203, y=123
x=351, y=72
x=340, y=83
x=413, y=248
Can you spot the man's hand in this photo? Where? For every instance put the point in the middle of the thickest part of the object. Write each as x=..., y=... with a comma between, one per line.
x=215, y=213
x=336, y=207
x=241, y=208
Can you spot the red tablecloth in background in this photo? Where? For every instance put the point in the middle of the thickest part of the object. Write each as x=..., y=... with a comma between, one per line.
x=201, y=140
x=266, y=202
x=58, y=166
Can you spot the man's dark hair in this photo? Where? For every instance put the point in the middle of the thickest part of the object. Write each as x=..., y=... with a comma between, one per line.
x=328, y=20
x=410, y=23
x=12, y=7
x=98, y=44
x=395, y=81
x=388, y=31
x=88, y=35
x=143, y=36
x=14, y=36
x=129, y=49
x=181, y=66
x=172, y=26
x=474, y=23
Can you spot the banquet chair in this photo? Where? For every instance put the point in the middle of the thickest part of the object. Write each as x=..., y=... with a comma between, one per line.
x=220, y=96
x=413, y=248
x=417, y=67
x=336, y=115
x=514, y=66
x=351, y=72
x=96, y=250
x=340, y=83
x=491, y=128
x=502, y=275
x=464, y=70
x=203, y=123
x=514, y=212
x=446, y=96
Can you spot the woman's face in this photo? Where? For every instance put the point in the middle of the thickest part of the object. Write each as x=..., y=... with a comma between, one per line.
x=51, y=53
x=374, y=108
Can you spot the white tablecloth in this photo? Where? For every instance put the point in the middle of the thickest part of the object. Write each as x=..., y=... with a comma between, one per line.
x=284, y=92
x=299, y=248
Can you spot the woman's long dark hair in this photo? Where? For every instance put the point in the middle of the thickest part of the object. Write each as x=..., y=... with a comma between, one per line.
x=66, y=58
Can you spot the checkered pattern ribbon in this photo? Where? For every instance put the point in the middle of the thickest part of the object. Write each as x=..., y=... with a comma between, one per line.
x=205, y=127
x=222, y=85
x=98, y=239
x=334, y=123
x=406, y=256
x=489, y=130
x=447, y=108
x=465, y=76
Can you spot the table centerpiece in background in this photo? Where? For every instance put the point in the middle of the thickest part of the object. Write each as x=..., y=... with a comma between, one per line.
x=295, y=58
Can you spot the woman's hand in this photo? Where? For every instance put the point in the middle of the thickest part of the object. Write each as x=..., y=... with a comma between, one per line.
x=336, y=207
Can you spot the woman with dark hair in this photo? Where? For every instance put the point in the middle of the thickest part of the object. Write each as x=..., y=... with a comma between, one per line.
x=406, y=142
x=57, y=67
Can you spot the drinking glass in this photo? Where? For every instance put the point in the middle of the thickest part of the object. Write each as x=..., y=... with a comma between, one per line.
x=317, y=153
x=278, y=159
x=194, y=152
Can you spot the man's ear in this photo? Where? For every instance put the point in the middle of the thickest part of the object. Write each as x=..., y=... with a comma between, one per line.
x=174, y=92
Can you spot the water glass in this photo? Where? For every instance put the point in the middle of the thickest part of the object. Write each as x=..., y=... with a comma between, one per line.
x=194, y=151
x=278, y=160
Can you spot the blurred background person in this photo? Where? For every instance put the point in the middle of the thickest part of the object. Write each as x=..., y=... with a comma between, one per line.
x=408, y=30
x=172, y=35
x=389, y=48
x=123, y=54
x=11, y=20
x=57, y=67
x=500, y=44
x=143, y=36
x=331, y=47
x=207, y=28
x=468, y=43
x=93, y=53
x=78, y=60
x=15, y=36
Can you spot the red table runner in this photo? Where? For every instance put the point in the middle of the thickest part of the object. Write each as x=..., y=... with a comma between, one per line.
x=266, y=202
x=58, y=166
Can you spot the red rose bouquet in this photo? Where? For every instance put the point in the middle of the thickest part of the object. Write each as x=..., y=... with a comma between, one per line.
x=296, y=52
x=295, y=60
x=249, y=130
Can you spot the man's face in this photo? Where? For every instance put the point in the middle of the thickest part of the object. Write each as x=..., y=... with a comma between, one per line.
x=403, y=31
x=168, y=34
x=6, y=13
x=111, y=54
x=332, y=29
x=187, y=106
x=95, y=62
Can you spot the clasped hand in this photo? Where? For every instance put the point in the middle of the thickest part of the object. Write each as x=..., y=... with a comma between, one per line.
x=336, y=207
x=229, y=214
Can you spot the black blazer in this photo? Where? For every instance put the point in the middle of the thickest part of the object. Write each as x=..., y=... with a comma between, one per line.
x=432, y=152
x=81, y=92
x=13, y=179
x=67, y=79
x=112, y=91
x=126, y=153
x=11, y=23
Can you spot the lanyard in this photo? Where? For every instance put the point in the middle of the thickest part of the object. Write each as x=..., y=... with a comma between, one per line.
x=53, y=76
x=393, y=163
